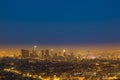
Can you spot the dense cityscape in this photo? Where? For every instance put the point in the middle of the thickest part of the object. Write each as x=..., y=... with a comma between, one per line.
x=59, y=39
x=48, y=64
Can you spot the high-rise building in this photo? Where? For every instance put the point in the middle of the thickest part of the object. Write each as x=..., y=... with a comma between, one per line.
x=47, y=54
x=51, y=52
x=64, y=53
x=25, y=53
x=34, y=52
x=42, y=53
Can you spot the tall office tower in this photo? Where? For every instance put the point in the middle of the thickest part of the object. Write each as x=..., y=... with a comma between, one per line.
x=35, y=49
x=47, y=54
x=64, y=53
x=34, y=52
x=25, y=53
x=43, y=53
x=51, y=52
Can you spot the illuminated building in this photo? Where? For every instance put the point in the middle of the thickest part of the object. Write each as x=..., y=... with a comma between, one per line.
x=47, y=53
x=51, y=52
x=64, y=53
x=25, y=53
x=34, y=52
x=43, y=53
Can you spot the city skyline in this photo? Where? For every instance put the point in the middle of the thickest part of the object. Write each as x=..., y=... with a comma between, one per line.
x=59, y=39
x=94, y=49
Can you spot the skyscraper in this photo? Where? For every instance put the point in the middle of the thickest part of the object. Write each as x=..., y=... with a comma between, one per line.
x=25, y=53
x=64, y=53
x=47, y=54
x=34, y=52
x=42, y=53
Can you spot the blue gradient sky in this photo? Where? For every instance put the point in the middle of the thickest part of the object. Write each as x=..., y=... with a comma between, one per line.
x=58, y=22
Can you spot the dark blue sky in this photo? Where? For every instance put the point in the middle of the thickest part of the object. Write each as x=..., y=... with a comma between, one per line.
x=59, y=21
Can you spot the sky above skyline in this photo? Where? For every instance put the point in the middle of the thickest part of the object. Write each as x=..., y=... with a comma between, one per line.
x=59, y=22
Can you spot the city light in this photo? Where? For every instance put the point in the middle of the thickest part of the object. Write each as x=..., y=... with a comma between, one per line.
x=57, y=64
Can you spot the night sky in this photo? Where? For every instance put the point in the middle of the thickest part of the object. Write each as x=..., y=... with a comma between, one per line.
x=59, y=22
